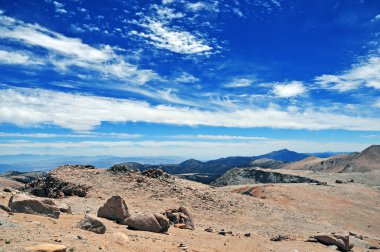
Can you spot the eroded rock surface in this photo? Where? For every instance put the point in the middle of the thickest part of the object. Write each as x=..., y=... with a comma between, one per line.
x=22, y=203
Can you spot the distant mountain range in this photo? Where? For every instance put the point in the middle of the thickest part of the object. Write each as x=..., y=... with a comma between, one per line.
x=28, y=162
x=219, y=166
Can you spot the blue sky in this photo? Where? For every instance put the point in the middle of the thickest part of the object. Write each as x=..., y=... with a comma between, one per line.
x=199, y=79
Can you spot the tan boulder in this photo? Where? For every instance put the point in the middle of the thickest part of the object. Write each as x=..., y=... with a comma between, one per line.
x=114, y=209
x=156, y=223
x=341, y=241
x=22, y=203
x=47, y=248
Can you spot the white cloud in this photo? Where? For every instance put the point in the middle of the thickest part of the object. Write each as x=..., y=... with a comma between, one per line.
x=17, y=58
x=377, y=103
x=236, y=83
x=59, y=8
x=173, y=39
x=197, y=6
x=65, y=52
x=186, y=78
x=292, y=89
x=205, y=150
x=26, y=107
x=364, y=74
x=83, y=134
x=219, y=137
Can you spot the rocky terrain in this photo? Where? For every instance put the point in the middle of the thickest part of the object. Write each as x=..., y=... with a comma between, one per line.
x=255, y=175
x=23, y=177
x=259, y=217
x=365, y=161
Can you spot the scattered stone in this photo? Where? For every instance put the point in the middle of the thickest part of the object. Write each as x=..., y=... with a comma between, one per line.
x=156, y=223
x=58, y=240
x=180, y=216
x=64, y=208
x=182, y=246
x=341, y=241
x=5, y=208
x=47, y=248
x=8, y=189
x=53, y=187
x=120, y=238
x=373, y=247
x=7, y=242
x=93, y=224
x=209, y=229
x=114, y=209
x=280, y=238
x=339, y=181
x=333, y=247
x=247, y=234
x=22, y=203
x=49, y=202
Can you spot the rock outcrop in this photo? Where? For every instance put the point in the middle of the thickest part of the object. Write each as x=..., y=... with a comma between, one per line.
x=21, y=203
x=156, y=223
x=53, y=187
x=93, y=224
x=240, y=176
x=114, y=209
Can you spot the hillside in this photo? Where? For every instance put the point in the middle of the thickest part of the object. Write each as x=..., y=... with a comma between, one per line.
x=233, y=218
x=367, y=160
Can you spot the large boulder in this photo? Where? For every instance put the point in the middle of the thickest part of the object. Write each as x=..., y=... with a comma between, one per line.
x=22, y=203
x=341, y=241
x=156, y=223
x=93, y=224
x=114, y=209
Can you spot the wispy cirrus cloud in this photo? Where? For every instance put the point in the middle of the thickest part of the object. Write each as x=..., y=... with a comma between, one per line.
x=18, y=58
x=65, y=52
x=364, y=74
x=26, y=107
x=236, y=83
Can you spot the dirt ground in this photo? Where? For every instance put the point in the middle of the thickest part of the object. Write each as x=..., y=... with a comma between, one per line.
x=295, y=210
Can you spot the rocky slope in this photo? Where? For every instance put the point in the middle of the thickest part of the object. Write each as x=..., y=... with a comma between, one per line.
x=365, y=161
x=225, y=218
x=254, y=175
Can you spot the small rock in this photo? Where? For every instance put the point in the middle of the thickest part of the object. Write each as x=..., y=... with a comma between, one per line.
x=47, y=248
x=333, y=247
x=93, y=224
x=8, y=189
x=64, y=208
x=209, y=229
x=339, y=181
x=5, y=208
x=7, y=242
x=247, y=234
x=373, y=247
x=280, y=238
x=58, y=240
x=120, y=238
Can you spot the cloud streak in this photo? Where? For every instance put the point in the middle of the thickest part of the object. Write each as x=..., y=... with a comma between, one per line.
x=26, y=107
